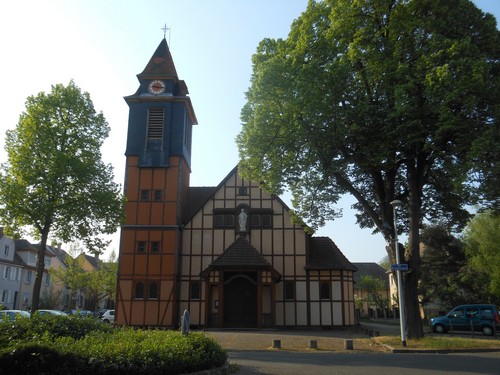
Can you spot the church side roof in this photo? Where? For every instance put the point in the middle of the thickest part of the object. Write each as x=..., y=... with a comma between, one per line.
x=325, y=255
x=196, y=197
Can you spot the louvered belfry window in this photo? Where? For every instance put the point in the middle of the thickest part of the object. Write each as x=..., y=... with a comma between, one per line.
x=155, y=123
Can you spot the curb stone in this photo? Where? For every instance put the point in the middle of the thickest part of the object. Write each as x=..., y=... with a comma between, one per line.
x=440, y=351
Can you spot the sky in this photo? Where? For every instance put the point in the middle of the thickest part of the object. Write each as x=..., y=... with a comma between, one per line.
x=103, y=44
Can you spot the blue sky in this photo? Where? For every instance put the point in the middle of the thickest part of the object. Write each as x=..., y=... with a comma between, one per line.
x=103, y=44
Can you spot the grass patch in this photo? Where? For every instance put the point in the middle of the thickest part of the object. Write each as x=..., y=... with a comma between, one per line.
x=440, y=343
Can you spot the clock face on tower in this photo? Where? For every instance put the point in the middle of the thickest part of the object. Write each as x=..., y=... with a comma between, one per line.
x=156, y=87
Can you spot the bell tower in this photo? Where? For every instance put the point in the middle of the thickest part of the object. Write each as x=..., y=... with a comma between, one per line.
x=158, y=165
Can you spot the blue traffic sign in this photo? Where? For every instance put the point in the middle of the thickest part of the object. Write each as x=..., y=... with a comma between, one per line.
x=399, y=267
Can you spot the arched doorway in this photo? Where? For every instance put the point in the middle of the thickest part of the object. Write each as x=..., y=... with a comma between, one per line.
x=240, y=299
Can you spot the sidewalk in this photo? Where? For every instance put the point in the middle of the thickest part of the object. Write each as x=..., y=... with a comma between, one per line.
x=295, y=340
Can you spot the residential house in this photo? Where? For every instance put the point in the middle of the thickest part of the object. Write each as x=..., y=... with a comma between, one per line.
x=29, y=256
x=11, y=267
x=367, y=307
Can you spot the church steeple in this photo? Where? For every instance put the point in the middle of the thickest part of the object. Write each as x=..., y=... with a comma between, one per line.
x=158, y=165
x=161, y=113
x=161, y=64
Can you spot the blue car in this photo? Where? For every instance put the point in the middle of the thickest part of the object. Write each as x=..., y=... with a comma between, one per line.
x=478, y=317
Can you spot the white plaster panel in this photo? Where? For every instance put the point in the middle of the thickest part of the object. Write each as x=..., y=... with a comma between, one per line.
x=337, y=313
x=336, y=290
x=315, y=314
x=314, y=290
x=290, y=314
x=302, y=314
x=326, y=313
x=301, y=290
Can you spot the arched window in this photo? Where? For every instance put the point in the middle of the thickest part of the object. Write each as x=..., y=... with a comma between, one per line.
x=139, y=290
x=324, y=290
x=153, y=291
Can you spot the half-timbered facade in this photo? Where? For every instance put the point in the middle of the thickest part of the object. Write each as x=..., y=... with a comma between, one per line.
x=229, y=254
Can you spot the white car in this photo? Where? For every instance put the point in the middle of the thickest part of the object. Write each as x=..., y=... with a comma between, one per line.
x=13, y=314
x=51, y=312
x=109, y=317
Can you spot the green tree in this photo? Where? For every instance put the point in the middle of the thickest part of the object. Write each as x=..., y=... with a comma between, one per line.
x=446, y=277
x=382, y=100
x=482, y=246
x=73, y=276
x=375, y=289
x=54, y=181
x=105, y=278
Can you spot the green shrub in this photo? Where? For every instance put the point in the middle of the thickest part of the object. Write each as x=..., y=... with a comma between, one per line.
x=55, y=326
x=43, y=346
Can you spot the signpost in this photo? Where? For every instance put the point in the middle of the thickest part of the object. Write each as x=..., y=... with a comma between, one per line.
x=399, y=267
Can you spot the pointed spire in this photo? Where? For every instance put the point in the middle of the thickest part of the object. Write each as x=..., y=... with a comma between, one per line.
x=161, y=64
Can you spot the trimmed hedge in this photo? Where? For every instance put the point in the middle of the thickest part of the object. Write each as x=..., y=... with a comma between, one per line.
x=104, y=350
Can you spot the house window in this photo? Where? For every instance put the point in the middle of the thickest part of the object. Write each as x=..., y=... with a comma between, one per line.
x=155, y=123
x=242, y=190
x=29, y=276
x=153, y=291
x=324, y=292
x=141, y=247
x=5, y=296
x=289, y=290
x=139, y=290
x=224, y=220
x=158, y=195
x=144, y=195
x=47, y=279
x=6, y=273
x=261, y=220
x=6, y=250
x=155, y=247
x=194, y=290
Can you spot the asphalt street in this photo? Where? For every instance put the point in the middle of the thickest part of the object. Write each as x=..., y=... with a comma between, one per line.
x=293, y=363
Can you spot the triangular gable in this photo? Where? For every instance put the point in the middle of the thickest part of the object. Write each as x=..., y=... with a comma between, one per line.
x=241, y=254
x=197, y=197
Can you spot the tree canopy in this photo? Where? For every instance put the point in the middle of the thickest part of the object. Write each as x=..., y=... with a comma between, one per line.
x=54, y=181
x=447, y=277
x=383, y=100
x=482, y=246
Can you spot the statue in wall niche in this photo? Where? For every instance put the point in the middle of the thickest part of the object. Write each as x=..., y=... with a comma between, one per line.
x=242, y=220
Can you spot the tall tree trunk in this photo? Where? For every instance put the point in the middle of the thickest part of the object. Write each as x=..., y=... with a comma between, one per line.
x=40, y=267
x=414, y=327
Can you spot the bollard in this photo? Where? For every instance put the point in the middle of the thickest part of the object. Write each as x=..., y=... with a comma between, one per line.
x=313, y=344
x=348, y=345
x=276, y=344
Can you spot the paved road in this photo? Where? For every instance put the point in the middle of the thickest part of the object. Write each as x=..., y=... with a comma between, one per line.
x=294, y=363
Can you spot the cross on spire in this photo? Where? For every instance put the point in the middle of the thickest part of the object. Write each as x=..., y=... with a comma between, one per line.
x=165, y=29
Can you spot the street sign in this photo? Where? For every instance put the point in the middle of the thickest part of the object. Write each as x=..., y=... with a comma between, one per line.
x=399, y=267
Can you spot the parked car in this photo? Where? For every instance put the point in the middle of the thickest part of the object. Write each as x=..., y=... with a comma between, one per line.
x=477, y=317
x=108, y=317
x=82, y=312
x=43, y=312
x=13, y=314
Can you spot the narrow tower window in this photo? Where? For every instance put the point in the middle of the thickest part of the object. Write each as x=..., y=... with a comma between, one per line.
x=155, y=123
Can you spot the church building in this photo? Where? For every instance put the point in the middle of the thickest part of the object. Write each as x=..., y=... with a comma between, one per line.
x=228, y=254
